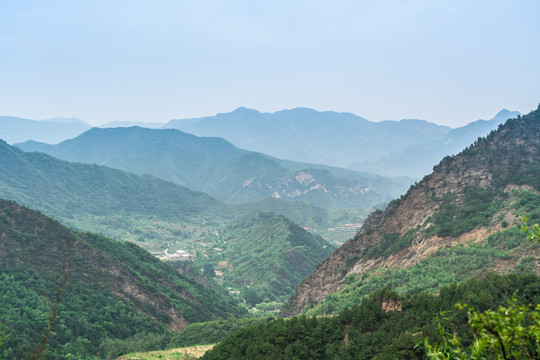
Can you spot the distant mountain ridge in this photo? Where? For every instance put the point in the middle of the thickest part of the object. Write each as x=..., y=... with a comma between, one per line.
x=150, y=125
x=51, y=131
x=222, y=170
x=407, y=147
x=64, y=189
x=462, y=220
x=418, y=160
x=307, y=135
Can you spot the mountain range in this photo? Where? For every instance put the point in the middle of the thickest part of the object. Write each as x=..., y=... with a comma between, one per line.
x=215, y=166
x=460, y=221
x=307, y=135
x=418, y=160
x=123, y=205
x=388, y=148
x=52, y=131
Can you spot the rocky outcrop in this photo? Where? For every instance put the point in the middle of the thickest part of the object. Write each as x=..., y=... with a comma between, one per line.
x=492, y=162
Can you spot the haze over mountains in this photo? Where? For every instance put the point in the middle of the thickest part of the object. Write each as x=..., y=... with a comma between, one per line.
x=215, y=166
x=52, y=131
x=389, y=148
x=115, y=203
x=418, y=160
x=307, y=135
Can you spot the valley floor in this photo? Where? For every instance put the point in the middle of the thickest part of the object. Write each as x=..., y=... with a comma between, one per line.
x=191, y=352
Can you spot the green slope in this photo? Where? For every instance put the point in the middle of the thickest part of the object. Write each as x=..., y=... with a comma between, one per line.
x=63, y=189
x=141, y=209
x=114, y=289
x=267, y=254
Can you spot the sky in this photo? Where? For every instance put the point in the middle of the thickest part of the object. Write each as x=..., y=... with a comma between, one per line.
x=449, y=62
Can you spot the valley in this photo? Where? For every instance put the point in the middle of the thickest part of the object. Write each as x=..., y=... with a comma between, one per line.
x=182, y=268
x=269, y=180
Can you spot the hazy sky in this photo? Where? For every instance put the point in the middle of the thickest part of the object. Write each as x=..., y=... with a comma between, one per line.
x=450, y=62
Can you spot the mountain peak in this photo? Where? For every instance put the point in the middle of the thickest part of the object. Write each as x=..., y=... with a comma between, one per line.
x=245, y=111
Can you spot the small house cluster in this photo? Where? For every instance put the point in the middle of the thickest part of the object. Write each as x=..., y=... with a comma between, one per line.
x=180, y=255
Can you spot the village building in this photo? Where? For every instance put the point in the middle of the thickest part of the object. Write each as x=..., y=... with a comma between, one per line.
x=184, y=255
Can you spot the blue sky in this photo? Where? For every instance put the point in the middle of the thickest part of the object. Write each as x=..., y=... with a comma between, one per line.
x=450, y=62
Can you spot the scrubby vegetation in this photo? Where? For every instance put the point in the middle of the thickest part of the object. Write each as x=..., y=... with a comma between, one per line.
x=383, y=325
x=447, y=265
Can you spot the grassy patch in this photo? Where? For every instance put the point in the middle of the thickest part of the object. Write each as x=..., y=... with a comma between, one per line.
x=186, y=353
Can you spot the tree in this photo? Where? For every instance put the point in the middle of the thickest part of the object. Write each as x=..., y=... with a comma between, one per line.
x=533, y=231
x=511, y=332
x=251, y=296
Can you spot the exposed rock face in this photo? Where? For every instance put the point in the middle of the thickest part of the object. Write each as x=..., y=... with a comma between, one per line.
x=391, y=305
x=491, y=162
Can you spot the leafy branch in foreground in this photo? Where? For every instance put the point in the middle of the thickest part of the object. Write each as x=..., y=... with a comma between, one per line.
x=533, y=231
x=511, y=332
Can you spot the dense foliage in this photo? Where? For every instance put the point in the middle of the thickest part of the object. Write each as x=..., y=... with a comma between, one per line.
x=211, y=332
x=510, y=332
x=114, y=291
x=367, y=331
x=267, y=255
x=475, y=208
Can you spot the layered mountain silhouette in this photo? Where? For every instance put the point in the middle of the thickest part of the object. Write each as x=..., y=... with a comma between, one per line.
x=307, y=135
x=222, y=170
x=418, y=160
x=51, y=131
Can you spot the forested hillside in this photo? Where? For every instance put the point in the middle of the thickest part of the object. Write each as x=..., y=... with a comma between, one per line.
x=266, y=256
x=114, y=290
x=141, y=209
x=65, y=189
x=222, y=170
x=384, y=325
x=458, y=222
